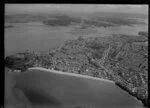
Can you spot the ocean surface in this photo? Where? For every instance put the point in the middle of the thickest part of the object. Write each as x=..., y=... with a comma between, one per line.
x=40, y=37
x=40, y=86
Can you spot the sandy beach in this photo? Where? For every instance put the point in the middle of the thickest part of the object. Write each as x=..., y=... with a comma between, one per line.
x=39, y=86
x=71, y=74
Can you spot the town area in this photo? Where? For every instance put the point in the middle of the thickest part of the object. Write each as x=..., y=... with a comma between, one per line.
x=119, y=58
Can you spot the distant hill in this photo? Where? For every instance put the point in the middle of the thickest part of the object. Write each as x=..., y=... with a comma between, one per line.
x=111, y=18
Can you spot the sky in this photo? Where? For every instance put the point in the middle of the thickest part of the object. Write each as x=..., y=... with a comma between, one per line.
x=20, y=8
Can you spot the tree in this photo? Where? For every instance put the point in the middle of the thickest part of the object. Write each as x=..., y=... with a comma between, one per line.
x=95, y=74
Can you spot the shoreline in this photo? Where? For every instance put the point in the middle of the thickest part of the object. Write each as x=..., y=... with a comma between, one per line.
x=142, y=101
x=90, y=77
x=94, y=78
x=71, y=74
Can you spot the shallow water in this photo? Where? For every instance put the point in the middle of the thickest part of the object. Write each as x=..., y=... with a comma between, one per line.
x=37, y=87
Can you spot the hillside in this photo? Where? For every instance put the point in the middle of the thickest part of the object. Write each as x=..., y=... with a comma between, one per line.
x=100, y=20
